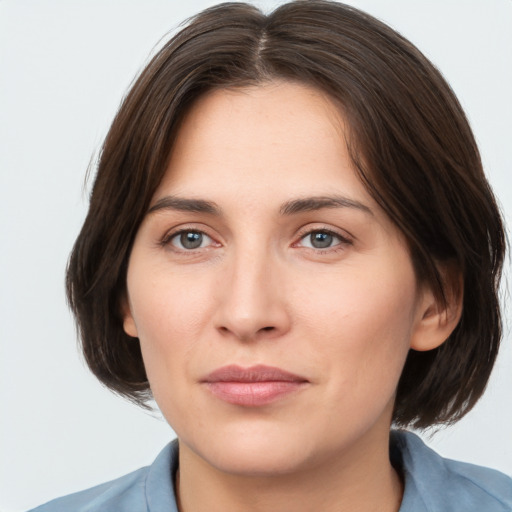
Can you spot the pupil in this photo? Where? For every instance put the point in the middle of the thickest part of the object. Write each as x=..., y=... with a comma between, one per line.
x=321, y=240
x=191, y=240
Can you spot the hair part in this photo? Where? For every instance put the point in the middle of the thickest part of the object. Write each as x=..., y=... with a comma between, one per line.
x=411, y=146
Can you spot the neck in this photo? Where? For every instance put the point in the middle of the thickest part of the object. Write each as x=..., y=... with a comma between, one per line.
x=360, y=481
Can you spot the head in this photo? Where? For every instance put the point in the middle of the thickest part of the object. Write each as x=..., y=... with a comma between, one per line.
x=408, y=143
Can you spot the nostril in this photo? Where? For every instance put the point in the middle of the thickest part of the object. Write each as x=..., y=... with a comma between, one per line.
x=267, y=328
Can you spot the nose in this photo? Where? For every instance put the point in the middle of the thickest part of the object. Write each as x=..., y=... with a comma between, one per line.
x=253, y=302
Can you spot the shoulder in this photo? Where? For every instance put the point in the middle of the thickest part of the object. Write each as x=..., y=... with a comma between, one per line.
x=102, y=497
x=447, y=485
x=148, y=488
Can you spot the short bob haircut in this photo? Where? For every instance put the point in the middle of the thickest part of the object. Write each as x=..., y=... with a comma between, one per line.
x=411, y=146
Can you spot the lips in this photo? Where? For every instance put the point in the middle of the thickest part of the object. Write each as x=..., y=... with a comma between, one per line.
x=254, y=386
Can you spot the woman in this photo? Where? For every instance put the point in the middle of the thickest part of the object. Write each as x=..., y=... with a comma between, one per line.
x=291, y=246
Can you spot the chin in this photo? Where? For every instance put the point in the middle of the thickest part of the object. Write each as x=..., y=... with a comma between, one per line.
x=254, y=460
x=252, y=453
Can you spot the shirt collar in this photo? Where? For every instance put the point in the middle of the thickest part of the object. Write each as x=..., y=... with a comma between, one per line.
x=160, y=495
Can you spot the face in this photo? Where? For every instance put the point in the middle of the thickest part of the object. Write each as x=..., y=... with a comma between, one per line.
x=274, y=301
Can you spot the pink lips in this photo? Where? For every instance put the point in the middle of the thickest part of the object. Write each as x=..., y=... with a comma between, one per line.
x=253, y=386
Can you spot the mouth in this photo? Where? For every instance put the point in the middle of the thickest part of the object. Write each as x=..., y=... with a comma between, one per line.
x=254, y=386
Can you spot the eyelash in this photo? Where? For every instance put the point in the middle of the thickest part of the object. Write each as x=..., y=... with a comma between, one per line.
x=168, y=238
x=343, y=241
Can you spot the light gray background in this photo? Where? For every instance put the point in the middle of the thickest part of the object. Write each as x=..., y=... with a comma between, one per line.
x=64, y=66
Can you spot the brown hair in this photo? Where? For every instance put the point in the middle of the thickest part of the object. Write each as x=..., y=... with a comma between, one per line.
x=411, y=145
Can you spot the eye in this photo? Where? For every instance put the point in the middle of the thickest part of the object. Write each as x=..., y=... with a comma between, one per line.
x=322, y=239
x=189, y=240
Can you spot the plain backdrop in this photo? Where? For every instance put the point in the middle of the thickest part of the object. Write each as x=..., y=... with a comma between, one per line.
x=64, y=67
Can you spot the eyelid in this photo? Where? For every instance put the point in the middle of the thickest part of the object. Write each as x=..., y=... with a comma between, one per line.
x=166, y=239
x=312, y=227
x=173, y=240
x=344, y=238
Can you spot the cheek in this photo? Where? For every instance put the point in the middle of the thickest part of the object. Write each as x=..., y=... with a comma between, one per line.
x=167, y=306
x=360, y=329
x=359, y=300
x=170, y=314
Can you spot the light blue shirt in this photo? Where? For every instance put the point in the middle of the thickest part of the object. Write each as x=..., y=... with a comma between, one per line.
x=432, y=484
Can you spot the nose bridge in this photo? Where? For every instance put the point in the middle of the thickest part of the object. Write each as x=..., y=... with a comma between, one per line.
x=252, y=303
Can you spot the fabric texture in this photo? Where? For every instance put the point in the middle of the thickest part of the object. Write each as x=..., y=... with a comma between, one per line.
x=432, y=484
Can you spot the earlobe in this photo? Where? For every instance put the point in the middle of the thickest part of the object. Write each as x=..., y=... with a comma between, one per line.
x=436, y=319
x=128, y=321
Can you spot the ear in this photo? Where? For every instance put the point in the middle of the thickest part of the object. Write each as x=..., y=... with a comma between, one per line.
x=436, y=321
x=128, y=321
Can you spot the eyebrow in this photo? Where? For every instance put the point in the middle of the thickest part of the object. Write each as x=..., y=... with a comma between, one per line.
x=186, y=205
x=306, y=204
x=309, y=204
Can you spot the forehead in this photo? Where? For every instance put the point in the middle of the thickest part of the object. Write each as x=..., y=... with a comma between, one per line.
x=280, y=135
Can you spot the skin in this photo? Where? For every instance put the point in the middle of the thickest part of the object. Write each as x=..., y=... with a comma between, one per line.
x=256, y=291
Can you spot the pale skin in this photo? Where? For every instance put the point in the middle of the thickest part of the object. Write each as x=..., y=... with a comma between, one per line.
x=293, y=265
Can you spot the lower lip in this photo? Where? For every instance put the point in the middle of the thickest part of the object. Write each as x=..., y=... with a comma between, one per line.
x=253, y=394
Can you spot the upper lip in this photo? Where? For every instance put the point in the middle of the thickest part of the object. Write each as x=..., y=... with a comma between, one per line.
x=257, y=373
